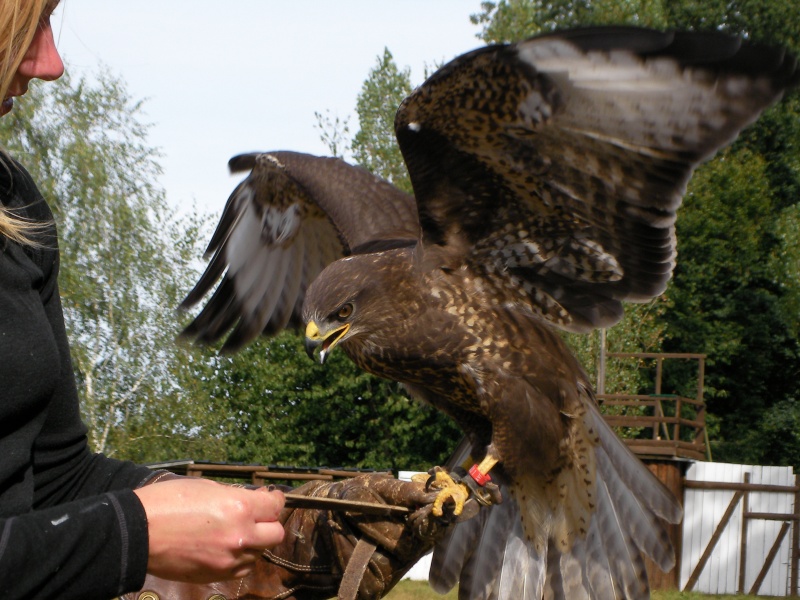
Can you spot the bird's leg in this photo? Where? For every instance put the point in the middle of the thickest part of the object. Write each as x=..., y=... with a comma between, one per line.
x=480, y=472
x=460, y=485
x=479, y=481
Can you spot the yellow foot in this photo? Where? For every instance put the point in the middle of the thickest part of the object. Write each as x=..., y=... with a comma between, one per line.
x=450, y=490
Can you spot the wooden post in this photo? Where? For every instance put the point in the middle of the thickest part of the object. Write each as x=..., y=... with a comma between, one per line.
x=701, y=374
x=671, y=474
x=794, y=554
x=659, y=369
x=601, y=366
x=658, y=412
x=743, y=544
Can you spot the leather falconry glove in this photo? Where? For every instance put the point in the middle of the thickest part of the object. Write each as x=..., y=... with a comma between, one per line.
x=359, y=551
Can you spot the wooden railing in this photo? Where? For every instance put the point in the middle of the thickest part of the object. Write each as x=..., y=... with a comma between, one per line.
x=660, y=424
x=256, y=474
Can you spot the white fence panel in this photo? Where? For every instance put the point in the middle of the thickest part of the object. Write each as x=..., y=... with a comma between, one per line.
x=703, y=511
x=762, y=534
x=419, y=572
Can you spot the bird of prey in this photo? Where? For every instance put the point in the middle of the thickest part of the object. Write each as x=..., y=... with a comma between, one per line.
x=547, y=175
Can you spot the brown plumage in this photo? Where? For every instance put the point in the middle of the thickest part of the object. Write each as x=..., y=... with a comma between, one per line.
x=547, y=175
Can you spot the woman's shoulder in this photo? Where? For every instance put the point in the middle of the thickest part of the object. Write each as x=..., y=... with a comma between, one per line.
x=19, y=192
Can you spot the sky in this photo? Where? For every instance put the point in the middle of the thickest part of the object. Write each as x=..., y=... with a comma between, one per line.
x=219, y=78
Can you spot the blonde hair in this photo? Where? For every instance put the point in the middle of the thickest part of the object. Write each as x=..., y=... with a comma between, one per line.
x=19, y=20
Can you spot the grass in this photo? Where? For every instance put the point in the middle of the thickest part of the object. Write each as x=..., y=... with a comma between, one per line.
x=409, y=589
x=419, y=590
x=676, y=595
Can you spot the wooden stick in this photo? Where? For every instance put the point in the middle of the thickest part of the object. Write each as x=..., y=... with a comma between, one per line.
x=366, y=508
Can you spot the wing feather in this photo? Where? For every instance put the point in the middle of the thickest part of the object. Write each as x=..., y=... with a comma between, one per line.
x=283, y=224
x=555, y=166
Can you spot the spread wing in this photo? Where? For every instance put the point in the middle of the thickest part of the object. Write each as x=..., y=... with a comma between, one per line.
x=556, y=165
x=290, y=217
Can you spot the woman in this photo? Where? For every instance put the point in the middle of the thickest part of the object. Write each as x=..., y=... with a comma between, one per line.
x=79, y=525
x=70, y=523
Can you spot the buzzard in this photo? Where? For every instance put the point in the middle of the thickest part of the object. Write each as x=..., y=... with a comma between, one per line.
x=546, y=175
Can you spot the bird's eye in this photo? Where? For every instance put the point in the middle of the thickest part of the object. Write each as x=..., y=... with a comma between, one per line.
x=345, y=312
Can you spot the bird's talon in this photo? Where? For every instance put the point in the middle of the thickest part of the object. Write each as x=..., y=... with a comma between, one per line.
x=458, y=493
x=449, y=488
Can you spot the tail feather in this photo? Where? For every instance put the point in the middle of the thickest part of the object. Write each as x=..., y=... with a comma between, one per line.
x=598, y=567
x=648, y=531
x=489, y=557
x=518, y=559
x=494, y=557
x=634, y=475
x=453, y=551
x=565, y=574
x=628, y=571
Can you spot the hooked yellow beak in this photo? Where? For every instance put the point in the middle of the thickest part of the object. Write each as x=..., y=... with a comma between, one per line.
x=314, y=338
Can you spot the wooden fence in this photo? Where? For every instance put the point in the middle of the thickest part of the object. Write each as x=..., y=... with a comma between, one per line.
x=257, y=474
x=740, y=530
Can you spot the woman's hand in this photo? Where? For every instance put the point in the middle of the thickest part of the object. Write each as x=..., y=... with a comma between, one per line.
x=201, y=531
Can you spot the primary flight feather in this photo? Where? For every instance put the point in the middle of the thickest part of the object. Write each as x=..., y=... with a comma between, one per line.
x=547, y=175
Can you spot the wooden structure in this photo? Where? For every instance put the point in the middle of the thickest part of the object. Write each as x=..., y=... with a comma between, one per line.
x=738, y=536
x=674, y=426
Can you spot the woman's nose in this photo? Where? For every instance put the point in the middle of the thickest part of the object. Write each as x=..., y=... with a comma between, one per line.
x=42, y=60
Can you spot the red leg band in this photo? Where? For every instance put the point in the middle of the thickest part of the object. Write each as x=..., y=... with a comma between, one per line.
x=479, y=477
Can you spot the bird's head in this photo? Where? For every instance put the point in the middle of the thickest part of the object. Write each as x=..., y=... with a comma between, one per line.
x=353, y=298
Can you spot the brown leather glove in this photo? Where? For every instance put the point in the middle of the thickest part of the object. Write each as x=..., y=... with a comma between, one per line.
x=312, y=561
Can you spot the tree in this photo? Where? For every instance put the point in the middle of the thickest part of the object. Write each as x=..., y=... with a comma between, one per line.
x=125, y=260
x=513, y=20
x=374, y=145
x=292, y=411
x=730, y=300
x=334, y=132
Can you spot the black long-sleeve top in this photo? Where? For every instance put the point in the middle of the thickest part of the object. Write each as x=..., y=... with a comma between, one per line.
x=70, y=525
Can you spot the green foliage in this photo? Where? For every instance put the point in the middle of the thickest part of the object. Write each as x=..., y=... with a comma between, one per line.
x=125, y=267
x=514, y=20
x=374, y=145
x=736, y=287
x=733, y=295
x=124, y=257
x=639, y=331
x=286, y=409
x=283, y=408
x=769, y=21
